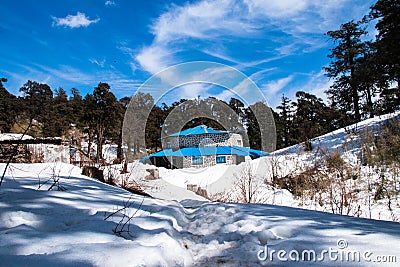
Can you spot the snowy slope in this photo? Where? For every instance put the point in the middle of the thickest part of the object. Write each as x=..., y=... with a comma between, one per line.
x=336, y=139
x=68, y=228
x=222, y=182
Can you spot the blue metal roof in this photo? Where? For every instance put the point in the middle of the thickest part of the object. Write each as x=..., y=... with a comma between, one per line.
x=201, y=129
x=207, y=151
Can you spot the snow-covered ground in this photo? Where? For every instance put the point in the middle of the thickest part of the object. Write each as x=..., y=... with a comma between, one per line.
x=75, y=227
x=11, y=136
x=225, y=183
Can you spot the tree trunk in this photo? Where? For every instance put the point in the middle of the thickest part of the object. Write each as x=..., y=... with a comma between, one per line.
x=100, y=141
x=369, y=103
x=90, y=136
x=354, y=92
x=120, y=153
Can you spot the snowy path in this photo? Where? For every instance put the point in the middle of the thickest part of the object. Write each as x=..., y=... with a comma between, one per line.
x=67, y=228
x=232, y=235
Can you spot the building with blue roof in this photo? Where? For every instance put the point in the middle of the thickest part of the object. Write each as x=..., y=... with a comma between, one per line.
x=200, y=147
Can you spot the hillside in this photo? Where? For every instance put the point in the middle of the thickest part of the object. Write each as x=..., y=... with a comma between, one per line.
x=73, y=225
x=332, y=177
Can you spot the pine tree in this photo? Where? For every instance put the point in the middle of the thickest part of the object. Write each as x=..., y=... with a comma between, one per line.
x=123, y=105
x=135, y=124
x=312, y=118
x=88, y=120
x=345, y=92
x=387, y=14
x=238, y=107
x=76, y=107
x=7, y=110
x=105, y=116
x=37, y=100
x=56, y=122
x=285, y=120
x=100, y=117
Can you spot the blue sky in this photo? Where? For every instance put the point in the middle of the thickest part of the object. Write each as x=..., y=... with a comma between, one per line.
x=279, y=44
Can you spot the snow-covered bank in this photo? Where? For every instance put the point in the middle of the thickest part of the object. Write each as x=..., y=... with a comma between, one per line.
x=227, y=182
x=68, y=228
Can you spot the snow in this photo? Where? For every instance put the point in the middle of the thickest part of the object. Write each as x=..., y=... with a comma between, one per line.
x=335, y=139
x=222, y=181
x=11, y=136
x=156, y=188
x=50, y=153
x=89, y=223
x=69, y=228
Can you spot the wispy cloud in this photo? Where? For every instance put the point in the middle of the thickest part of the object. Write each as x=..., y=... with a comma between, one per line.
x=276, y=9
x=74, y=21
x=109, y=3
x=273, y=87
x=314, y=83
x=99, y=63
x=214, y=21
x=204, y=20
x=155, y=58
x=201, y=20
x=68, y=73
x=67, y=77
x=224, y=29
x=317, y=84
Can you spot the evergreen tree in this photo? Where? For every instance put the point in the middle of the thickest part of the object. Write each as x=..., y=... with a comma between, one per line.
x=238, y=107
x=7, y=110
x=88, y=120
x=312, y=118
x=387, y=14
x=105, y=116
x=123, y=105
x=57, y=121
x=76, y=104
x=345, y=92
x=135, y=124
x=284, y=122
x=100, y=117
x=153, y=128
x=37, y=100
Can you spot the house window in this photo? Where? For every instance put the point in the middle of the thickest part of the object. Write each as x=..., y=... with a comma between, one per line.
x=168, y=145
x=239, y=142
x=220, y=159
x=198, y=160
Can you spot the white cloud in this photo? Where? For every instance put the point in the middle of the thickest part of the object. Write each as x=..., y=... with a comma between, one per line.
x=109, y=3
x=215, y=27
x=276, y=9
x=317, y=85
x=204, y=20
x=193, y=90
x=154, y=58
x=215, y=20
x=273, y=87
x=68, y=73
x=97, y=62
x=219, y=53
x=74, y=21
